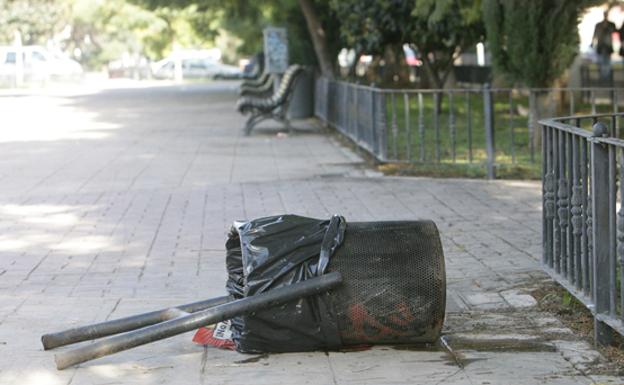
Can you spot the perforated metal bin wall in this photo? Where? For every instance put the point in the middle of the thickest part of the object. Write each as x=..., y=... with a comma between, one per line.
x=394, y=287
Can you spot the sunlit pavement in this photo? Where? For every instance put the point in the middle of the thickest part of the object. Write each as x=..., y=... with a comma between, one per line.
x=117, y=201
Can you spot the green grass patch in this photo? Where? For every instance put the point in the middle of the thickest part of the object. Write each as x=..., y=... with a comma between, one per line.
x=455, y=140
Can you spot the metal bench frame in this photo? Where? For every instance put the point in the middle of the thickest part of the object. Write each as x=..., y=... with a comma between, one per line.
x=277, y=112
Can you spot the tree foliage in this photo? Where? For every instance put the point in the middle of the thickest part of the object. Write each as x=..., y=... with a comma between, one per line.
x=35, y=20
x=532, y=41
x=442, y=30
x=438, y=29
x=101, y=31
x=247, y=19
x=368, y=26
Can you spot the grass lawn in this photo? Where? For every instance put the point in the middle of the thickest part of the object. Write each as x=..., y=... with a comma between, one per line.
x=461, y=135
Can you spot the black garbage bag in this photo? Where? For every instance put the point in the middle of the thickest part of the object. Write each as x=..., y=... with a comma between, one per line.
x=271, y=252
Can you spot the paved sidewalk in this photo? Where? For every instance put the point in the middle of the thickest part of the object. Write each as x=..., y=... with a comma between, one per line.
x=118, y=202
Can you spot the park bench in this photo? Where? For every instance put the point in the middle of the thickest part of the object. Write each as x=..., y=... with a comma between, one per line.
x=262, y=90
x=253, y=75
x=258, y=67
x=272, y=107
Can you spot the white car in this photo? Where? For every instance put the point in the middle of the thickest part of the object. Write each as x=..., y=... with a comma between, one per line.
x=194, y=68
x=38, y=64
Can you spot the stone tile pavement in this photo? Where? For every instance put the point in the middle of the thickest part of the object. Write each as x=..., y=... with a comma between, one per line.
x=118, y=202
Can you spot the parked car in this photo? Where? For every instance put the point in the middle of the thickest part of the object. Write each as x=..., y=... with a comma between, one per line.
x=39, y=64
x=130, y=66
x=194, y=68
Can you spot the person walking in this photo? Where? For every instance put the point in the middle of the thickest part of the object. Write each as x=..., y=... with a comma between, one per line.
x=602, y=42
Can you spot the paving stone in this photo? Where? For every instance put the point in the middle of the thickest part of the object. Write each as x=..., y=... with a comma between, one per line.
x=517, y=299
x=476, y=299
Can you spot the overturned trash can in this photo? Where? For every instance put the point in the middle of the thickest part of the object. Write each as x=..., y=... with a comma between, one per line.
x=300, y=284
x=393, y=289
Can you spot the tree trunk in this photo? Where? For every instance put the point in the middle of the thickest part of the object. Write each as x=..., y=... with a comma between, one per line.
x=318, y=37
x=540, y=106
x=352, y=70
x=432, y=75
x=438, y=82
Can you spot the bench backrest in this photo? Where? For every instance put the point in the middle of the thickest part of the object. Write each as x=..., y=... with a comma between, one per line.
x=287, y=84
x=252, y=83
x=264, y=89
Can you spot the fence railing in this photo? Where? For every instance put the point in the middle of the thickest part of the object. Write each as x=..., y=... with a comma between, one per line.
x=493, y=129
x=583, y=215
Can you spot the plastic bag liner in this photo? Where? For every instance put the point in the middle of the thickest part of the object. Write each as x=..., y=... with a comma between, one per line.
x=271, y=252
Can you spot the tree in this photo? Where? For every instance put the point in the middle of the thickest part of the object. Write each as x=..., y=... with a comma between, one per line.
x=378, y=28
x=107, y=30
x=443, y=29
x=532, y=41
x=35, y=20
x=318, y=36
x=371, y=25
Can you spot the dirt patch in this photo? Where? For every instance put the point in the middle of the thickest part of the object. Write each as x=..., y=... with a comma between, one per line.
x=459, y=170
x=554, y=299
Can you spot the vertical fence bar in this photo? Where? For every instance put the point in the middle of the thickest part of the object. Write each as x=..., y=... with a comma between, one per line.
x=421, y=126
x=577, y=212
x=382, y=124
x=590, y=223
x=556, y=226
x=356, y=112
x=452, y=127
x=488, y=117
x=334, y=92
x=436, y=124
x=532, y=124
x=326, y=86
x=345, y=120
x=332, y=96
x=620, y=235
x=348, y=123
x=612, y=230
x=511, y=128
x=616, y=110
x=395, y=127
x=572, y=106
x=408, y=128
x=570, y=230
x=592, y=96
x=548, y=211
x=353, y=111
x=469, y=124
x=373, y=123
x=600, y=233
x=562, y=204
x=338, y=106
x=587, y=214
